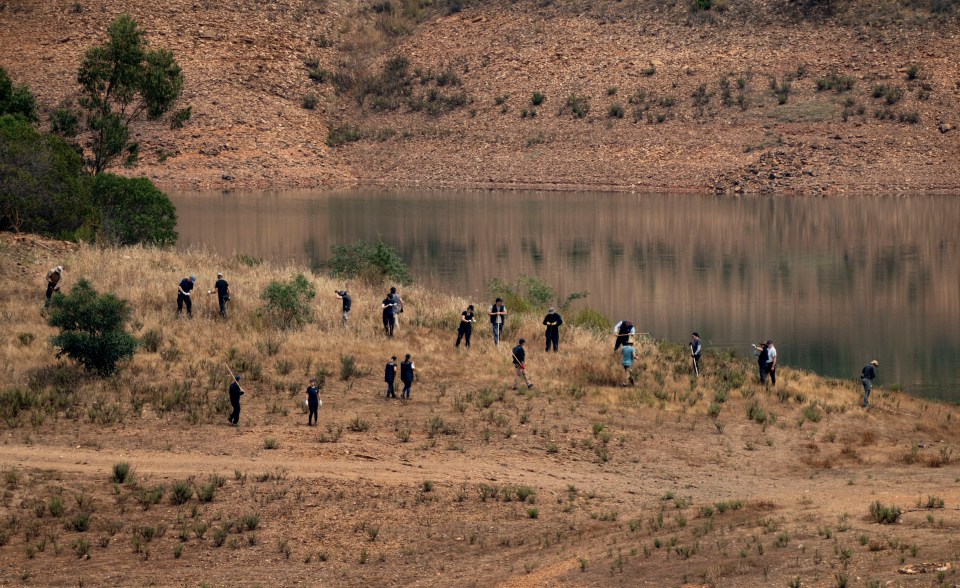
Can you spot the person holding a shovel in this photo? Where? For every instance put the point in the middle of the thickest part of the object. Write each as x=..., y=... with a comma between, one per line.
x=235, y=393
x=519, y=355
x=695, y=349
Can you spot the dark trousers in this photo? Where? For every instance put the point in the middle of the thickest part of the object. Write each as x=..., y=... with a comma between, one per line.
x=390, y=392
x=184, y=299
x=223, y=306
x=406, y=389
x=235, y=415
x=553, y=336
x=464, y=333
x=621, y=340
x=50, y=290
x=772, y=370
x=388, y=324
x=312, y=417
x=763, y=374
x=696, y=361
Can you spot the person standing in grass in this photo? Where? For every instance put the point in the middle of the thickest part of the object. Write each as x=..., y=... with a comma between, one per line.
x=866, y=378
x=347, y=302
x=389, y=315
x=390, y=376
x=772, y=362
x=222, y=288
x=624, y=330
x=407, y=371
x=762, y=356
x=519, y=364
x=313, y=402
x=397, y=305
x=235, y=393
x=183, y=295
x=498, y=314
x=466, y=327
x=695, y=349
x=628, y=354
x=553, y=320
x=53, y=283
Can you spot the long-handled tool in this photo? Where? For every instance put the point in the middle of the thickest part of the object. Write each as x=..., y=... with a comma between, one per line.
x=696, y=370
x=232, y=375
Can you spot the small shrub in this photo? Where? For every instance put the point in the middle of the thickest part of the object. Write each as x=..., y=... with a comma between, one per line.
x=310, y=101
x=121, y=473
x=80, y=522
x=836, y=82
x=358, y=424
x=533, y=512
x=287, y=303
x=270, y=443
x=913, y=71
x=341, y=135
x=373, y=262
x=538, y=98
x=180, y=493
x=220, y=535
x=578, y=105
x=615, y=110
x=81, y=547
x=250, y=522
x=147, y=497
x=56, y=506
x=885, y=515
x=152, y=340
x=206, y=492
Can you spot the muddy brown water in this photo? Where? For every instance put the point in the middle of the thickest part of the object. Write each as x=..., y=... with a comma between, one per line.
x=834, y=282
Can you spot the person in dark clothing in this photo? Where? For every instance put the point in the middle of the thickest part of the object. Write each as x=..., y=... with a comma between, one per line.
x=695, y=349
x=498, y=315
x=183, y=295
x=466, y=326
x=553, y=320
x=390, y=376
x=762, y=356
x=53, y=283
x=313, y=402
x=772, y=362
x=623, y=330
x=519, y=364
x=222, y=288
x=397, y=306
x=347, y=302
x=407, y=370
x=389, y=315
x=866, y=378
x=235, y=393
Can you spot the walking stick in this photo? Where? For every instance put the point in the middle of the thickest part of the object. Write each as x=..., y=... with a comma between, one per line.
x=234, y=377
x=696, y=370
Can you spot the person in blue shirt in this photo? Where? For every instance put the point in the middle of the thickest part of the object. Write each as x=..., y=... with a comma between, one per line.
x=629, y=354
x=407, y=370
x=183, y=295
x=390, y=376
x=313, y=402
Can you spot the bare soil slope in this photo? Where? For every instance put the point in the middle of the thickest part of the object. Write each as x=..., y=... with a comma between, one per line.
x=634, y=69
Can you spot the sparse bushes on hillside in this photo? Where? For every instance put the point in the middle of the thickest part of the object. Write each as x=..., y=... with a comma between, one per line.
x=340, y=135
x=371, y=262
x=530, y=293
x=836, y=82
x=577, y=105
x=16, y=100
x=287, y=303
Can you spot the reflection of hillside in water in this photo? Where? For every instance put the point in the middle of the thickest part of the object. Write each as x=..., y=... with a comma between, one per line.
x=835, y=282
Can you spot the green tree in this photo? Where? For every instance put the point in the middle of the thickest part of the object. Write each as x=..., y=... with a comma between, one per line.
x=92, y=328
x=42, y=188
x=121, y=81
x=371, y=262
x=133, y=210
x=288, y=303
x=16, y=100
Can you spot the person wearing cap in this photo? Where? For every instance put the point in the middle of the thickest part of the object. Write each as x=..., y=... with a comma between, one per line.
x=235, y=393
x=498, y=314
x=628, y=354
x=313, y=402
x=553, y=320
x=347, y=302
x=772, y=362
x=183, y=295
x=762, y=351
x=390, y=376
x=866, y=378
x=53, y=283
x=407, y=370
x=519, y=364
x=695, y=349
x=222, y=288
x=466, y=327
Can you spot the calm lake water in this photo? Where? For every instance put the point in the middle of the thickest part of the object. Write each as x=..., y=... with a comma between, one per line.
x=834, y=282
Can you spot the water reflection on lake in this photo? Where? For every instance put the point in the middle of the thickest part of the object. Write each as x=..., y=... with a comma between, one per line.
x=835, y=282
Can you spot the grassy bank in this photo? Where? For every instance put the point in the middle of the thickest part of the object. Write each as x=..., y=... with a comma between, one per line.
x=578, y=481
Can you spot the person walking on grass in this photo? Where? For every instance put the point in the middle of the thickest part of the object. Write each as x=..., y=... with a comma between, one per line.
x=183, y=295
x=313, y=402
x=466, y=327
x=762, y=351
x=866, y=378
x=222, y=288
x=407, y=371
x=397, y=305
x=553, y=320
x=390, y=376
x=772, y=362
x=624, y=330
x=498, y=314
x=389, y=315
x=53, y=283
x=519, y=364
x=628, y=354
x=235, y=393
x=347, y=302
x=695, y=349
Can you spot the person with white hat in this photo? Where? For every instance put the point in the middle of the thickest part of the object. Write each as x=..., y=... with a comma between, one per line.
x=53, y=283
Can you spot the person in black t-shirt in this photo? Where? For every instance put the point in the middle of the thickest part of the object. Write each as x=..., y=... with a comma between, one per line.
x=519, y=364
x=390, y=376
x=407, y=369
x=389, y=314
x=235, y=393
x=222, y=288
x=498, y=315
x=867, y=376
x=347, y=303
x=466, y=326
x=313, y=402
x=183, y=295
x=553, y=320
